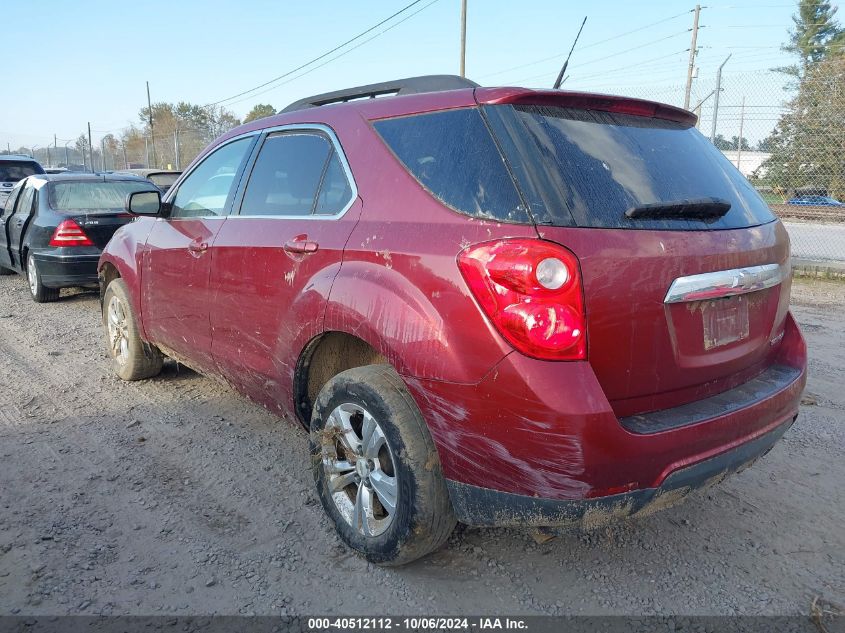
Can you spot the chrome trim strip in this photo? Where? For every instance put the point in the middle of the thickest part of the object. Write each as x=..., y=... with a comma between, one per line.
x=726, y=283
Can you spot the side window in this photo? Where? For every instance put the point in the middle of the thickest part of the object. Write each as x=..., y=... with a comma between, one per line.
x=287, y=174
x=335, y=192
x=208, y=188
x=10, y=201
x=25, y=202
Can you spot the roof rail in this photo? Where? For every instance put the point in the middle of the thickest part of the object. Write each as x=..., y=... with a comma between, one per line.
x=409, y=86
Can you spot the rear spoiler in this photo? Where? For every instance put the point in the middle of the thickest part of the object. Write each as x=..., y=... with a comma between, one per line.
x=584, y=101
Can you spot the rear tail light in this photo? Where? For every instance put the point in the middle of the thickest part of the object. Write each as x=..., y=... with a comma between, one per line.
x=531, y=290
x=69, y=233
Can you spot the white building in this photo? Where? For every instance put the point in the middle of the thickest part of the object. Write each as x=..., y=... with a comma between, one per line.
x=748, y=162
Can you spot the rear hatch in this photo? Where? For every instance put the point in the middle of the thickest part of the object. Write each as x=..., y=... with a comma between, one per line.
x=97, y=206
x=645, y=202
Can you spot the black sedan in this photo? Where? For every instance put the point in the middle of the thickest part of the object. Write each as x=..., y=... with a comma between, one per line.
x=53, y=227
x=161, y=178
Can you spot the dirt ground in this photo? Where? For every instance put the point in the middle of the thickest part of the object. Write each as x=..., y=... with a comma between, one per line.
x=177, y=496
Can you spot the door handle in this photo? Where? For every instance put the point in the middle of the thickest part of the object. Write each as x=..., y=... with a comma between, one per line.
x=301, y=246
x=18, y=222
x=197, y=248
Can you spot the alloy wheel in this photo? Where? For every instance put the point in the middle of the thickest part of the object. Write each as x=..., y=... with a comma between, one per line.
x=118, y=330
x=32, y=275
x=359, y=468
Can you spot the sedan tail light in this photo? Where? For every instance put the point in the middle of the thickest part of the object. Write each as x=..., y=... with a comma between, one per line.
x=531, y=290
x=69, y=233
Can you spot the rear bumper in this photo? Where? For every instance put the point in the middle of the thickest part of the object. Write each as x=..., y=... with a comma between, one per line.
x=546, y=432
x=60, y=270
x=484, y=507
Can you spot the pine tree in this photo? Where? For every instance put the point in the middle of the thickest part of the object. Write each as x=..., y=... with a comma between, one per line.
x=816, y=35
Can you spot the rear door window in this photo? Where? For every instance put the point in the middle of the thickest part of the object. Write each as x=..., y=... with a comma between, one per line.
x=287, y=175
x=453, y=156
x=587, y=168
x=335, y=192
x=24, y=206
x=297, y=173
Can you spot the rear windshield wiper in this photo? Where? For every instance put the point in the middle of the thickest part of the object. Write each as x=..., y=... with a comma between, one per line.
x=696, y=208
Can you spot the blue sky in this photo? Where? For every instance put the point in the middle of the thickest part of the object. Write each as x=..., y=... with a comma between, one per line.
x=73, y=62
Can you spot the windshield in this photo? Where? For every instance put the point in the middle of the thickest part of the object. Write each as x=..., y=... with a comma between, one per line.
x=14, y=170
x=92, y=195
x=587, y=168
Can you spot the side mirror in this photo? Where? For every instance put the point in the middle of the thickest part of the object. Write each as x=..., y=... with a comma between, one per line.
x=144, y=203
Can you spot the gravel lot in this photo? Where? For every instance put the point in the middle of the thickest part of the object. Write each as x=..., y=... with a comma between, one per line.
x=175, y=495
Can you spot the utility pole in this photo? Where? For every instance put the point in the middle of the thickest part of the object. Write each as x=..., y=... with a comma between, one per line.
x=146, y=153
x=463, y=38
x=691, y=68
x=90, y=147
x=152, y=133
x=176, y=146
x=103, y=151
x=125, y=161
x=716, y=102
x=739, y=142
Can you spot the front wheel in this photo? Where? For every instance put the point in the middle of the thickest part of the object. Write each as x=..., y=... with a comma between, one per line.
x=376, y=467
x=132, y=357
x=40, y=294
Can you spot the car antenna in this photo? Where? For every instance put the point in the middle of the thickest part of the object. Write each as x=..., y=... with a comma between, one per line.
x=566, y=63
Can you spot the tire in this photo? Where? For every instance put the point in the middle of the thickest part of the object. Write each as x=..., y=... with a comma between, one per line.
x=40, y=294
x=132, y=358
x=373, y=402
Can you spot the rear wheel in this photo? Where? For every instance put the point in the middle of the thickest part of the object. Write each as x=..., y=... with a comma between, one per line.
x=376, y=467
x=132, y=357
x=39, y=292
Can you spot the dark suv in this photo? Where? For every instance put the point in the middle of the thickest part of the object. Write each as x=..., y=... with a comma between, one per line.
x=14, y=168
x=498, y=306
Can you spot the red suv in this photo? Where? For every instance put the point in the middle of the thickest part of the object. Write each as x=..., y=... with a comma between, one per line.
x=498, y=306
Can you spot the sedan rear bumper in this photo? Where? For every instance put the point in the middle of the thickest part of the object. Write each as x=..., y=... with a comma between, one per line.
x=59, y=270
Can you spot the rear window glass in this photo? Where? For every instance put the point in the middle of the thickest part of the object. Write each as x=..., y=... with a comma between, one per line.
x=92, y=195
x=163, y=180
x=14, y=170
x=590, y=167
x=453, y=155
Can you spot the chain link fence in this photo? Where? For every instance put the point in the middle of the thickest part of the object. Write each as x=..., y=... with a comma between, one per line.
x=785, y=133
x=170, y=148
x=787, y=136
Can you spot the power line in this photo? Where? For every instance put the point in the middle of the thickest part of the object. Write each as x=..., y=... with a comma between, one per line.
x=646, y=63
x=600, y=59
x=609, y=39
x=328, y=61
x=316, y=59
